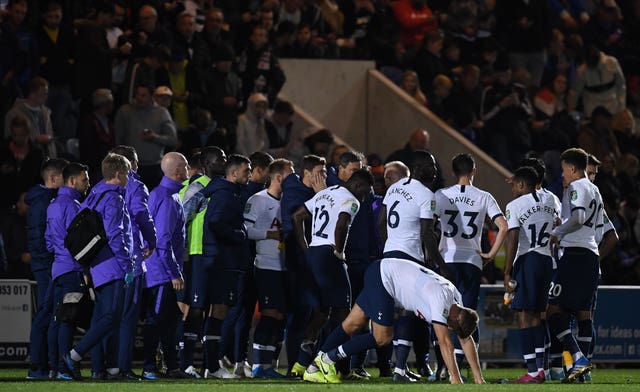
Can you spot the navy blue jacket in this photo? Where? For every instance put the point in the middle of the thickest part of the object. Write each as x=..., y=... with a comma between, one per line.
x=251, y=189
x=294, y=194
x=224, y=240
x=38, y=199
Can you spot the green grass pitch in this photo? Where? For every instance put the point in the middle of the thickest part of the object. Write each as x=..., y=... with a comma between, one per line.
x=620, y=380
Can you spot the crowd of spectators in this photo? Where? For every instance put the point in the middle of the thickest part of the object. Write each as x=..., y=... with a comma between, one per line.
x=516, y=77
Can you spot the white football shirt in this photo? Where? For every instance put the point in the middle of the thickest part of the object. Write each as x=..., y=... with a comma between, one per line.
x=534, y=214
x=325, y=207
x=407, y=201
x=262, y=214
x=419, y=290
x=461, y=210
x=582, y=194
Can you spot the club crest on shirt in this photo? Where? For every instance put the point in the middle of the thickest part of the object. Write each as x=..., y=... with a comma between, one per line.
x=247, y=208
x=507, y=214
x=354, y=207
x=433, y=205
x=574, y=195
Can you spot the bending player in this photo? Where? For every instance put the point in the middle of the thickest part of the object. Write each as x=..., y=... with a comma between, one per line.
x=414, y=288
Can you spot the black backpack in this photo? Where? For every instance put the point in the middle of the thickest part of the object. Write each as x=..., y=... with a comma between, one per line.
x=86, y=236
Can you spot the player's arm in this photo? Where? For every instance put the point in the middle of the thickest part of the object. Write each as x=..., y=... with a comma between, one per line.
x=429, y=240
x=470, y=351
x=512, y=248
x=382, y=224
x=298, y=218
x=446, y=348
x=502, y=233
x=608, y=243
x=575, y=222
x=342, y=229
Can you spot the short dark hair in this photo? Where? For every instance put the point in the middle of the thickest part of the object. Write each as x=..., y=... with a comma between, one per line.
x=54, y=166
x=420, y=158
x=361, y=176
x=234, y=161
x=283, y=107
x=126, y=151
x=194, y=161
x=278, y=166
x=528, y=175
x=592, y=160
x=463, y=164
x=310, y=161
x=145, y=84
x=468, y=322
x=576, y=157
x=260, y=159
x=349, y=157
x=210, y=154
x=538, y=165
x=73, y=169
x=51, y=6
x=36, y=84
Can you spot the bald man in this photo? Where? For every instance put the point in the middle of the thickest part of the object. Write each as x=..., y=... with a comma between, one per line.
x=164, y=268
x=418, y=140
x=149, y=32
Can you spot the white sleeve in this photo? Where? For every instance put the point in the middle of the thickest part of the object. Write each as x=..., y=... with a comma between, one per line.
x=350, y=206
x=309, y=204
x=493, y=210
x=578, y=198
x=252, y=211
x=428, y=206
x=511, y=214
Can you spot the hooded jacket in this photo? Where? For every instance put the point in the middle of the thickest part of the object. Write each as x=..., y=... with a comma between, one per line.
x=251, y=131
x=294, y=194
x=224, y=240
x=142, y=229
x=115, y=260
x=38, y=199
x=60, y=213
x=165, y=264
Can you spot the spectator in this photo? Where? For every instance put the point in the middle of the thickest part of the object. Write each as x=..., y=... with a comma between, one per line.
x=569, y=13
x=55, y=43
x=303, y=46
x=290, y=11
x=597, y=137
x=220, y=92
x=13, y=226
x=599, y=82
x=465, y=99
x=523, y=29
x=203, y=133
x=93, y=56
x=182, y=76
x=604, y=30
x=96, y=133
x=506, y=111
x=319, y=143
x=214, y=33
x=34, y=108
x=553, y=127
x=410, y=84
x=428, y=61
x=163, y=97
x=20, y=162
x=440, y=90
x=18, y=54
x=148, y=71
x=384, y=34
x=251, y=132
x=259, y=67
x=192, y=45
x=149, y=32
x=148, y=128
x=357, y=41
x=559, y=60
x=415, y=19
x=278, y=128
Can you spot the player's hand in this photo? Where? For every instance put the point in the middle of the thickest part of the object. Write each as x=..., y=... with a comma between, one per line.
x=507, y=279
x=553, y=243
x=146, y=252
x=319, y=182
x=486, y=258
x=178, y=284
